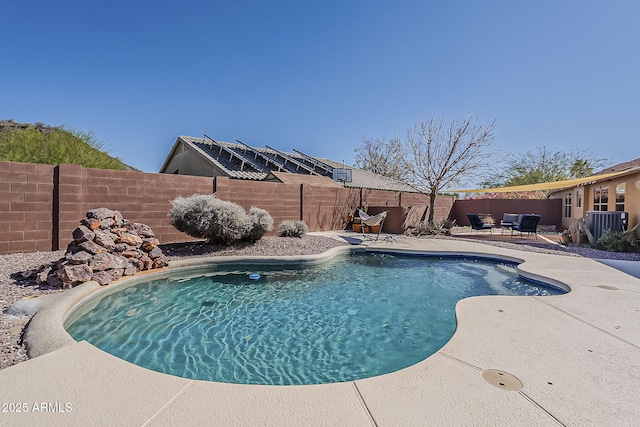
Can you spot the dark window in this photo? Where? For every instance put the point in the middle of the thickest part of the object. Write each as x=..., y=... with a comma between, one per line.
x=567, y=205
x=601, y=199
x=620, y=194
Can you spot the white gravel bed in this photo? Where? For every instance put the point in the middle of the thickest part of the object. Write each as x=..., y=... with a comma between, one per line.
x=12, y=288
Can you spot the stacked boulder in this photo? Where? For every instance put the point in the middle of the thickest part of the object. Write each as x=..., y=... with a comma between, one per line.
x=105, y=247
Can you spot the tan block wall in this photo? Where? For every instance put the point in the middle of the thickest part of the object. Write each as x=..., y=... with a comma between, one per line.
x=326, y=208
x=41, y=205
x=550, y=210
x=26, y=201
x=282, y=201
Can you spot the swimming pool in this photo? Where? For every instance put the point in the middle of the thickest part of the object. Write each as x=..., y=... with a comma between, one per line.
x=353, y=317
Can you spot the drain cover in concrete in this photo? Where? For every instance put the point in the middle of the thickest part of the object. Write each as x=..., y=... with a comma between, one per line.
x=501, y=379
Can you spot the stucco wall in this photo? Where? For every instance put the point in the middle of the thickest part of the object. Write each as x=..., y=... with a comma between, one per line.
x=631, y=204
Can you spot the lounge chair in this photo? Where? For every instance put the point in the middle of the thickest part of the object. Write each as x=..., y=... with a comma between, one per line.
x=508, y=220
x=372, y=220
x=526, y=224
x=477, y=224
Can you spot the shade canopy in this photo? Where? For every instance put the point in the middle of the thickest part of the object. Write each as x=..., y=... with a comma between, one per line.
x=555, y=185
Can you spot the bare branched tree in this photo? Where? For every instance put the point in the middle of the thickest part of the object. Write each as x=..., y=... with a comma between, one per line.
x=384, y=157
x=442, y=154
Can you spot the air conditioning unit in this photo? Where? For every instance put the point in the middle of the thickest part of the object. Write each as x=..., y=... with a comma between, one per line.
x=599, y=221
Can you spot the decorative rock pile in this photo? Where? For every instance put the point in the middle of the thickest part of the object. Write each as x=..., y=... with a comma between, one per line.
x=105, y=247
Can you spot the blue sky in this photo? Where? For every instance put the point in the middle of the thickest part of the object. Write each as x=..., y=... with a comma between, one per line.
x=318, y=76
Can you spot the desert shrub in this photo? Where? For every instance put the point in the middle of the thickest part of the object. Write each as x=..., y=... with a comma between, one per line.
x=617, y=241
x=436, y=227
x=291, y=228
x=448, y=224
x=420, y=229
x=207, y=217
x=565, y=238
x=260, y=223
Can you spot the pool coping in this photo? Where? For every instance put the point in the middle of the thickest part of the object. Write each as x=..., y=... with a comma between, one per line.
x=576, y=362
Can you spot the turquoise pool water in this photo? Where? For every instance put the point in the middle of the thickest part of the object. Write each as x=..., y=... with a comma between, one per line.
x=354, y=317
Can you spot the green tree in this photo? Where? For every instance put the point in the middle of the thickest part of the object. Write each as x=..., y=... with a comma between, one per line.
x=384, y=157
x=544, y=165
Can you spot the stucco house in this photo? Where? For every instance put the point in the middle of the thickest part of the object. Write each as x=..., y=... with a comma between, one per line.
x=613, y=189
x=208, y=157
x=607, y=199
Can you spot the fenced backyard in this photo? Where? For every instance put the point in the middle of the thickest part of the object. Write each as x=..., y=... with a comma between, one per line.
x=40, y=205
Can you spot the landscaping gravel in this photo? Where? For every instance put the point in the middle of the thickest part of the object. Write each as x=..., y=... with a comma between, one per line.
x=15, y=286
x=556, y=249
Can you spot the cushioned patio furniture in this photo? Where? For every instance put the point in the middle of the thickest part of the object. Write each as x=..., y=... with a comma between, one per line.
x=477, y=224
x=508, y=220
x=526, y=224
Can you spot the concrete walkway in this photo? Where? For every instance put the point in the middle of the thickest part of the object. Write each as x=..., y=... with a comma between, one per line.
x=629, y=267
x=572, y=359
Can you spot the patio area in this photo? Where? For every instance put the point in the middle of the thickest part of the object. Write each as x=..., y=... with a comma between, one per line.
x=571, y=359
x=505, y=235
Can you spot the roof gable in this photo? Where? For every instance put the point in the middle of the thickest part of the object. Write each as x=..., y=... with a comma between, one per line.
x=631, y=164
x=239, y=160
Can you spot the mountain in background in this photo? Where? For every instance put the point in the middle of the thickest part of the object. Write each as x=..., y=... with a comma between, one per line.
x=40, y=143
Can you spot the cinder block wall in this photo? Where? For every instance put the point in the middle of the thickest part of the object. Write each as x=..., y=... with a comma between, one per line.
x=140, y=197
x=26, y=202
x=41, y=205
x=282, y=201
x=380, y=198
x=328, y=208
x=550, y=210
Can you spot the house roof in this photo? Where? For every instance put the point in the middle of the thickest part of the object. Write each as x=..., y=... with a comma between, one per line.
x=365, y=179
x=239, y=160
x=295, y=178
x=625, y=168
x=555, y=185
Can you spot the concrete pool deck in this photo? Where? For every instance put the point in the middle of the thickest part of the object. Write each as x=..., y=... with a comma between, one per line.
x=577, y=357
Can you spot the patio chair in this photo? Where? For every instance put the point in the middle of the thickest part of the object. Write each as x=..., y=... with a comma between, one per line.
x=526, y=224
x=372, y=220
x=508, y=220
x=477, y=224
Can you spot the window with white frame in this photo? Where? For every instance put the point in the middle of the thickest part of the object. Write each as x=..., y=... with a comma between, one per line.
x=567, y=205
x=601, y=198
x=620, y=195
x=578, y=198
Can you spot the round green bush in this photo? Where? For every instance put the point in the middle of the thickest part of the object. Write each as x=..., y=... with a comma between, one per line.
x=291, y=228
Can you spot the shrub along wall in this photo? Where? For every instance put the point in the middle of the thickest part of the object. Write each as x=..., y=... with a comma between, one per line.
x=280, y=200
x=41, y=205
